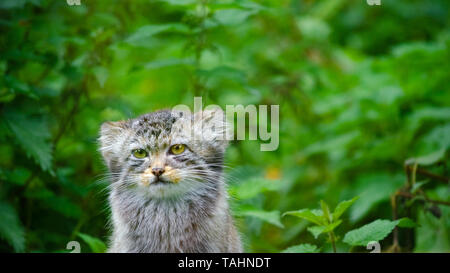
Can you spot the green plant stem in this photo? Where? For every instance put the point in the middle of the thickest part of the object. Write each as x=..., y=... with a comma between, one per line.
x=333, y=240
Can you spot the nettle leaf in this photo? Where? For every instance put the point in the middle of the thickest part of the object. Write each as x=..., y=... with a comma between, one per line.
x=302, y=248
x=342, y=207
x=11, y=230
x=316, y=230
x=96, y=245
x=428, y=159
x=311, y=215
x=32, y=134
x=253, y=187
x=332, y=226
x=325, y=210
x=272, y=217
x=375, y=231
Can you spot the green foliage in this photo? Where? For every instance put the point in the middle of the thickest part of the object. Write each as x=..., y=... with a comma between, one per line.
x=272, y=217
x=433, y=234
x=324, y=220
x=96, y=245
x=429, y=159
x=303, y=248
x=32, y=136
x=363, y=94
x=375, y=231
x=342, y=207
x=10, y=227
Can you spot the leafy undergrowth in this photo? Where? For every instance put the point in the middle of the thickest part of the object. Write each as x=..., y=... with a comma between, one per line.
x=364, y=111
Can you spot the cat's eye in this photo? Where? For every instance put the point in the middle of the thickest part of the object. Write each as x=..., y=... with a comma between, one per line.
x=139, y=153
x=177, y=149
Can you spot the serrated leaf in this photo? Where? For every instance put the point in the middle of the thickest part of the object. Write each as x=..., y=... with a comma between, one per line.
x=342, y=207
x=272, y=217
x=96, y=245
x=307, y=214
x=11, y=230
x=325, y=210
x=302, y=248
x=428, y=159
x=316, y=230
x=375, y=231
x=32, y=135
x=332, y=226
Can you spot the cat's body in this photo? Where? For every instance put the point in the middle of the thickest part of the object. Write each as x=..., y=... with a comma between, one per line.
x=167, y=200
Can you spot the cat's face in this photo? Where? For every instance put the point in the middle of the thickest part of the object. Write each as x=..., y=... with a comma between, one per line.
x=165, y=154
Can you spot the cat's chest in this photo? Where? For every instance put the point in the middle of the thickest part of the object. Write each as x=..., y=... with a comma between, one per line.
x=156, y=227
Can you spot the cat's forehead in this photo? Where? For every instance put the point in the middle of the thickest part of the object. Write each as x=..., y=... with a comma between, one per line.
x=158, y=129
x=153, y=124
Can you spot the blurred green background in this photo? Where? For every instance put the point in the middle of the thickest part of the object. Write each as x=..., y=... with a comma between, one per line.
x=361, y=89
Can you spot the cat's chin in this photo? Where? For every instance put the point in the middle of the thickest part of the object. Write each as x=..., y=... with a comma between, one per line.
x=163, y=189
x=160, y=181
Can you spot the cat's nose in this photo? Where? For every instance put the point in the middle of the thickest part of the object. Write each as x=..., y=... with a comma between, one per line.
x=157, y=171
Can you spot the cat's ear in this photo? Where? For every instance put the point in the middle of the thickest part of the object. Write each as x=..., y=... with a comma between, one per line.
x=211, y=123
x=112, y=134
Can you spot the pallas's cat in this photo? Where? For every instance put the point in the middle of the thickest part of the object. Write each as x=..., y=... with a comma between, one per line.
x=167, y=191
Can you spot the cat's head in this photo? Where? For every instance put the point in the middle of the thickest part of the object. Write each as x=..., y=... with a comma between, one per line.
x=166, y=153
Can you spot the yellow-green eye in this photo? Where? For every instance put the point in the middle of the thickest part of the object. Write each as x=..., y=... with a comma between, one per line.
x=139, y=153
x=177, y=149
